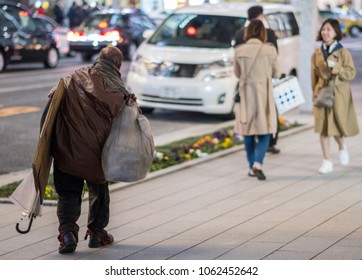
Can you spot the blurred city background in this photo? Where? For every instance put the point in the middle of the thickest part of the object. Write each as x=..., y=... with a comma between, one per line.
x=47, y=32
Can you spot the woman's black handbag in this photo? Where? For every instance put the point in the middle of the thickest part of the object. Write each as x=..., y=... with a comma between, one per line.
x=237, y=97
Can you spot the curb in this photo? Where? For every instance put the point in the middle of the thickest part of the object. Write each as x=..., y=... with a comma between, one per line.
x=172, y=169
x=188, y=164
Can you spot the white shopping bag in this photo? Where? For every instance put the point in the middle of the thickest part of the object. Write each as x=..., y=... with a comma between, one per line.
x=287, y=94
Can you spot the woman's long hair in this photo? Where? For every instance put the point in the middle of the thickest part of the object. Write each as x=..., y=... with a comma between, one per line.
x=255, y=30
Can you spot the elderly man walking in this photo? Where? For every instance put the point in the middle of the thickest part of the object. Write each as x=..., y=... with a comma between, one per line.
x=92, y=98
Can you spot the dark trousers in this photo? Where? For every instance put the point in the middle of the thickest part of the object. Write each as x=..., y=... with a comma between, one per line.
x=274, y=139
x=70, y=189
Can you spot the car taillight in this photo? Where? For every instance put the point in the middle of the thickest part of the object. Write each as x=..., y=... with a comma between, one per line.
x=74, y=35
x=112, y=35
x=57, y=40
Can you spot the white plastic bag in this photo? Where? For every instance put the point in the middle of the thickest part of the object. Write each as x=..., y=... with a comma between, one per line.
x=128, y=152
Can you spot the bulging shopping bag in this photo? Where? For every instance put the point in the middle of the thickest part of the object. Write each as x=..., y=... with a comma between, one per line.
x=128, y=152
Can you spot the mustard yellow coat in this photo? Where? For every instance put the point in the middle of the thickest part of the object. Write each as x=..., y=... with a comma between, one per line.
x=257, y=112
x=341, y=120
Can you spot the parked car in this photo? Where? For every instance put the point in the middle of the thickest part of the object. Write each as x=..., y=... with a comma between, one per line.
x=60, y=32
x=187, y=64
x=22, y=40
x=121, y=28
x=352, y=21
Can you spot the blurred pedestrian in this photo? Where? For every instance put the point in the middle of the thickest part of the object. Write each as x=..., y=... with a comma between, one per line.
x=255, y=64
x=74, y=15
x=334, y=64
x=92, y=98
x=58, y=12
x=257, y=12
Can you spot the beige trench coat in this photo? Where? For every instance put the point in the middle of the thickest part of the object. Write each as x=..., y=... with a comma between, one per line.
x=257, y=113
x=341, y=120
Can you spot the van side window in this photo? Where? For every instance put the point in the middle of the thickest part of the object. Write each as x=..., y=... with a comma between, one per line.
x=276, y=23
x=292, y=21
x=283, y=24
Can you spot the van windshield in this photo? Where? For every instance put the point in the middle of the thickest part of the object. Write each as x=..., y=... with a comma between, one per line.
x=199, y=31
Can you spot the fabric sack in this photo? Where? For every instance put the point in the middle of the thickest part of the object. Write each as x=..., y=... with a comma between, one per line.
x=128, y=152
x=325, y=97
x=287, y=94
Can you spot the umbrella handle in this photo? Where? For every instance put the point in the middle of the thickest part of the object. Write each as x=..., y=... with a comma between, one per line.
x=29, y=226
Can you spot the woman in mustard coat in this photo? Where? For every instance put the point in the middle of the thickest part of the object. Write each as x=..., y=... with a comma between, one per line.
x=333, y=63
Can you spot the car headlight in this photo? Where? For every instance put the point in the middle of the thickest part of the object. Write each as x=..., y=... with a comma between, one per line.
x=218, y=69
x=137, y=66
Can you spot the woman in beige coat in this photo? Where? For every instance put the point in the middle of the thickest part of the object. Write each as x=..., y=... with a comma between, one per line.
x=333, y=63
x=255, y=64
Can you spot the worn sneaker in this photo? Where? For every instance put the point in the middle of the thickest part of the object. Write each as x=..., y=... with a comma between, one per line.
x=326, y=167
x=344, y=156
x=98, y=238
x=68, y=242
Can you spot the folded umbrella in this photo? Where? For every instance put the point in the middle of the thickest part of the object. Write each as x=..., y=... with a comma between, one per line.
x=30, y=193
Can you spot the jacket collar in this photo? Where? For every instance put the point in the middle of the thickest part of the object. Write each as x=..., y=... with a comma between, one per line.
x=335, y=46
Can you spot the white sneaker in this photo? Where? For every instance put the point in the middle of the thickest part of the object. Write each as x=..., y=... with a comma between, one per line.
x=344, y=156
x=326, y=167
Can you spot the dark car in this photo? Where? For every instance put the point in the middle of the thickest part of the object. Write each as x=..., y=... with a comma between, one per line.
x=22, y=40
x=60, y=32
x=120, y=28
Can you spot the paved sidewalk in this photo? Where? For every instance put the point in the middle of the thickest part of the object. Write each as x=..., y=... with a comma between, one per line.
x=213, y=210
x=210, y=209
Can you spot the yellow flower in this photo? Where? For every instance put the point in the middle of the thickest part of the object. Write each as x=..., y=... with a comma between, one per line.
x=281, y=121
x=227, y=141
x=166, y=158
x=231, y=133
x=188, y=156
x=48, y=191
x=224, y=145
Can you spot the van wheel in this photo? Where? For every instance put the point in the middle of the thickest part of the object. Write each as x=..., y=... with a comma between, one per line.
x=52, y=58
x=228, y=116
x=2, y=62
x=354, y=31
x=86, y=57
x=132, y=48
x=147, y=110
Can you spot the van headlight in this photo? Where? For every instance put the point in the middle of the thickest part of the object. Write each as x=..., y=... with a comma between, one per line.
x=137, y=66
x=218, y=70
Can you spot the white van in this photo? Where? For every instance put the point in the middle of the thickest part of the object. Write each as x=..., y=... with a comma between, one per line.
x=187, y=64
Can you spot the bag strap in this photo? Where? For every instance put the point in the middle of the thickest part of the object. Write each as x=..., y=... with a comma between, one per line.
x=252, y=64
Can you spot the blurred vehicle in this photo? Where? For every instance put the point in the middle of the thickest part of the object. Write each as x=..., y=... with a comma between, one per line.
x=352, y=21
x=325, y=14
x=121, y=28
x=22, y=40
x=187, y=64
x=59, y=31
x=159, y=16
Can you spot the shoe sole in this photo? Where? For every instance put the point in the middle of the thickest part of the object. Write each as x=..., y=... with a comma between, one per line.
x=68, y=249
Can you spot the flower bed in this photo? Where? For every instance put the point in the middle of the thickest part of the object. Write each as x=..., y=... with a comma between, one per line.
x=175, y=153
